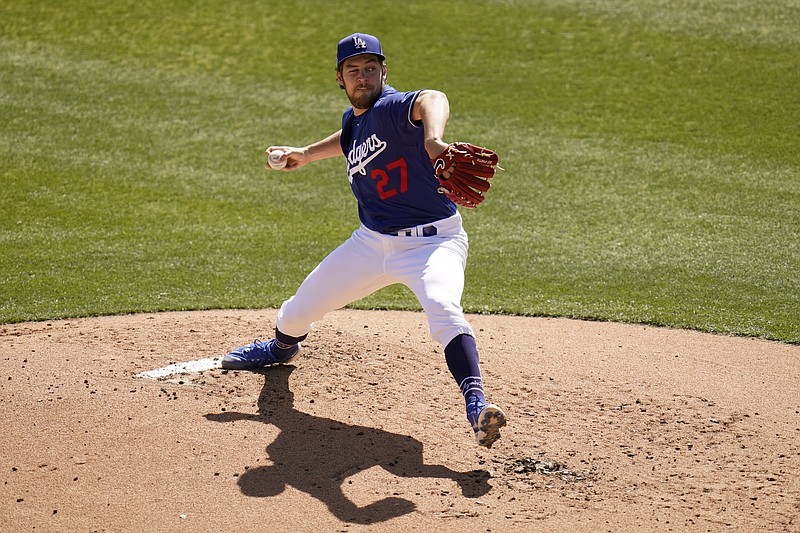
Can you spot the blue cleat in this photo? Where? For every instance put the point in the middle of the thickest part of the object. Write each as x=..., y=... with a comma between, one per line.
x=486, y=420
x=258, y=355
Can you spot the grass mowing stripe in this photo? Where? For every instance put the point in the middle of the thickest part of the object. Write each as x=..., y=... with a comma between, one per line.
x=765, y=23
x=676, y=230
x=612, y=78
x=141, y=193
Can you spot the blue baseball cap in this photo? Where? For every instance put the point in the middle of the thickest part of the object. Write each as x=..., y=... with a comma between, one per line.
x=357, y=44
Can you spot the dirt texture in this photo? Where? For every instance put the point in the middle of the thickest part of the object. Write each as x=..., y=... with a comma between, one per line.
x=610, y=428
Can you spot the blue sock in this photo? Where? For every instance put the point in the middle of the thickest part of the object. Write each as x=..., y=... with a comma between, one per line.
x=284, y=344
x=463, y=362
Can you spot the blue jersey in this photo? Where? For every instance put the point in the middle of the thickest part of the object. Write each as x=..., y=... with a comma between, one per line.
x=389, y=170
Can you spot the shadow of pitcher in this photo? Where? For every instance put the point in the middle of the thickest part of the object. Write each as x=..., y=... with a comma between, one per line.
x=316, y=455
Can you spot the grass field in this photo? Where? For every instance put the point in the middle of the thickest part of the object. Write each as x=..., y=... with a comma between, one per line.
x=652, y=154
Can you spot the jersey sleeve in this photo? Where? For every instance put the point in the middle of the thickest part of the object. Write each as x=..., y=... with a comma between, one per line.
x=406, y=104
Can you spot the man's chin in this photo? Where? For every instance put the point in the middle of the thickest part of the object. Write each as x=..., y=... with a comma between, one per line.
x=364, y=101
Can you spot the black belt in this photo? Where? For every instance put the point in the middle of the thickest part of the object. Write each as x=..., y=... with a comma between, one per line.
x=417, y=231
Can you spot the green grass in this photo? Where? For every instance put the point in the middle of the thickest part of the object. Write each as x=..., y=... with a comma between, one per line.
x=652, y=154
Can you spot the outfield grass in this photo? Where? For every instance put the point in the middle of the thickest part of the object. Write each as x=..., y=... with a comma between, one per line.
x=652, y=151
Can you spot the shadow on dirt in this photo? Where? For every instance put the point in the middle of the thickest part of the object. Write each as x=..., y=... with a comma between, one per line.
x=316, y=455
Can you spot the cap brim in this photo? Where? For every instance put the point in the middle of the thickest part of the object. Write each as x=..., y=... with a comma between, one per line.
x=381, y=56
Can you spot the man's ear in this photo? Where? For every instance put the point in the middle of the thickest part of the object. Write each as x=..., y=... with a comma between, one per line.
x=339, y=79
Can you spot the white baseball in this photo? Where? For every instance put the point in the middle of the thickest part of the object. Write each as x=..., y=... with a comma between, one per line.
x=275, y=160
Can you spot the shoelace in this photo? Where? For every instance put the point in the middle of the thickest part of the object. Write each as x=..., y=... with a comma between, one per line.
x=473, y=411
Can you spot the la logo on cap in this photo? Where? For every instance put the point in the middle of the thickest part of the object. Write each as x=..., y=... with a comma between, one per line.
x=358, y=42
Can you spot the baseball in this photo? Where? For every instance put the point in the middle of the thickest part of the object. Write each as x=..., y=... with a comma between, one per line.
x=275, y=160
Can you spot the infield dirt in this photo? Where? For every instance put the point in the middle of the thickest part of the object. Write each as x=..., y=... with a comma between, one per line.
x=611, y=428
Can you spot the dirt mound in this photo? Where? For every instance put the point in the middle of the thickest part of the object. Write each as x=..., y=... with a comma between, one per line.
x=611, y=427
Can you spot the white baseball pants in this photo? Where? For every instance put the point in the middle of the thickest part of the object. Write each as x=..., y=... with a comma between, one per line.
x=432, y=267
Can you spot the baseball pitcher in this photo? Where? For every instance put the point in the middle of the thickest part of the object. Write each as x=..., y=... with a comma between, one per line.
x=408, y=183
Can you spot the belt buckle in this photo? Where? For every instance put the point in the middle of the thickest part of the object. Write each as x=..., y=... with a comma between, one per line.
x=417, y=231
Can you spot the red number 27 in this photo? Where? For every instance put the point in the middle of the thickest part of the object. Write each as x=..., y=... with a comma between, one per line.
x=383, y=178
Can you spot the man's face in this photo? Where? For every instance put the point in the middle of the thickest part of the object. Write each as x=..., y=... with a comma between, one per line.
x=362, y=78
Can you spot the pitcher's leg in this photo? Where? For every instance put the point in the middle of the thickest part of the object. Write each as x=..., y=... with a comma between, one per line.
x=437, y=280
x=352, y=271
x=348, y=273
x=485, y=418
x=439, y=291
